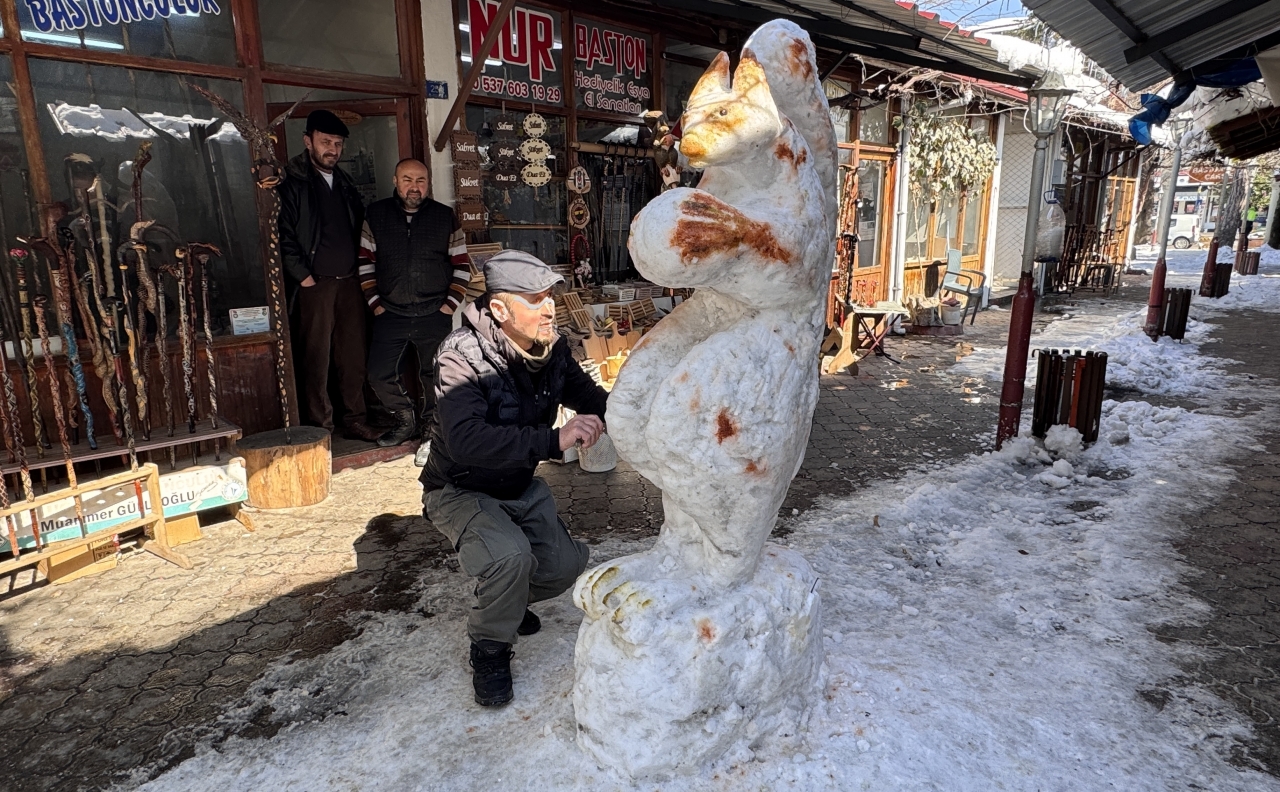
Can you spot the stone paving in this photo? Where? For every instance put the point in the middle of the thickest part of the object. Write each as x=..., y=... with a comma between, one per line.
x=108, y=674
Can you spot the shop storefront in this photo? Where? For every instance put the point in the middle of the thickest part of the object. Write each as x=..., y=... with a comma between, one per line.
x=84, y=82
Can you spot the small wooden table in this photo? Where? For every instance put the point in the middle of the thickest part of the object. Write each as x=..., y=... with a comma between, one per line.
x=853, y=345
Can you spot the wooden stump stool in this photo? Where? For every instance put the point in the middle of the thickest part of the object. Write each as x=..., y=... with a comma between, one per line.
x=287, y=471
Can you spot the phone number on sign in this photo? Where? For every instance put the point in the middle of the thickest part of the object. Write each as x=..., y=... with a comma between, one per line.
x=519, y=89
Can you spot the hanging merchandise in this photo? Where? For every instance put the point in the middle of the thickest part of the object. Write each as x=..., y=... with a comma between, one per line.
x=578, y=180
x=535, y=126
x=579, y=214
x=535, y=150
x=504, y=127
x=536, y=174
x=504, y=154
x=579, y=257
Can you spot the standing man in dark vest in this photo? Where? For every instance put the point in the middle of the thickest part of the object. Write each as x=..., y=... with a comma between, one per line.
x=414, y=270
x=320, y=219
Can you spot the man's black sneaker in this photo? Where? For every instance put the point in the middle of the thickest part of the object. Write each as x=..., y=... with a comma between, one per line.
x=492, y=676
x=530, y=624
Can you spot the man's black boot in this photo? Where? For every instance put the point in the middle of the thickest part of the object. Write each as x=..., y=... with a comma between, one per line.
x=403, y=429
x=492, y=676
x=530, y=624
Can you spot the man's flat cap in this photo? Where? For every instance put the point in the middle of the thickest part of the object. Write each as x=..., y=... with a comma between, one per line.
x=514, y=271
x=326, y=122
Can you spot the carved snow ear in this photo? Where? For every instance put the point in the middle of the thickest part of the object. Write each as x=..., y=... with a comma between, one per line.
x=713, y=83
x=750, y=83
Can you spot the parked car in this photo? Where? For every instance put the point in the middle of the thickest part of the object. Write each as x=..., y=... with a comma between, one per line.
x=1183, y=230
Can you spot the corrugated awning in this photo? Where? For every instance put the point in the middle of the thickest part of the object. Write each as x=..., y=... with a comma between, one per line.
x=883, y=30
x=1141, y=42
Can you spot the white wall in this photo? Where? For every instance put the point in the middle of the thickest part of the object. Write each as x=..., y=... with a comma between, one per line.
x=441, y=58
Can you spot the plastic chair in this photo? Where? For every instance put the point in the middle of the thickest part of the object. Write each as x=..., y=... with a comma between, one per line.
x=963, y=281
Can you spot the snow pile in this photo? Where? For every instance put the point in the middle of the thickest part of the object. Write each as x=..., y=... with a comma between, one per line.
x=986, y=628
x=1134, y=362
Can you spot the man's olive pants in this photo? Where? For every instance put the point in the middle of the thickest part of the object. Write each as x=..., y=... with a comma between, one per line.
x=518, y=551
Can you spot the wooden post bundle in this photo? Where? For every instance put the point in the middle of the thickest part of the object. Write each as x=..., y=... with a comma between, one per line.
x=1069, y=390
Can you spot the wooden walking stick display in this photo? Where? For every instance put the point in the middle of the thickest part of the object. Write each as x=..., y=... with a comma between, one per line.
x=9, y=520
x=122, y=393
x=51, y=370
x=19, y=258
x=59, y=267
x=95, y=328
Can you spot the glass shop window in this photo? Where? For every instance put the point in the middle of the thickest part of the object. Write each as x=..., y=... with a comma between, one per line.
x=918, y=228
x=837, y=89
x=17, y=208
x=679, y=78
x=197, y=187
x=335, y=35
x=873, y=124
x=946, y=231
x=199, y=31
x=973, y=207
x=620, y=187
x=521, y=216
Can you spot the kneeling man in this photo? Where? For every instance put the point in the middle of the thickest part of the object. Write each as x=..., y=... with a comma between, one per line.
x=499, y=381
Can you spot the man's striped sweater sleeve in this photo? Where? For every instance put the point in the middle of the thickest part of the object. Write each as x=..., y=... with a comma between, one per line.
x=367, y=258
x=461, y=262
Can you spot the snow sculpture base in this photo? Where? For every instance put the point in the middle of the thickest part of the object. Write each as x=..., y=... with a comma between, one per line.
x=674, y=671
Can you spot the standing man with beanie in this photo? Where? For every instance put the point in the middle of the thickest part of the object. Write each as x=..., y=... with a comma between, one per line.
x=414, y=271
x=500, y=380
x=320, y=219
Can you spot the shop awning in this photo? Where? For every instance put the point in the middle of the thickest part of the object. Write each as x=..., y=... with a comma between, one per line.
x=883, y=30
x=1141, y=42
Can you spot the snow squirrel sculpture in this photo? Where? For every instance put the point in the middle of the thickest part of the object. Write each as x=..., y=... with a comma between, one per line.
x=697, y=643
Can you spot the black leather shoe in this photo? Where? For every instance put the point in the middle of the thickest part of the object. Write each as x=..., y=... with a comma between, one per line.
x=405, y=425
x=362, y=431
x=491, y=677
x=530, y=624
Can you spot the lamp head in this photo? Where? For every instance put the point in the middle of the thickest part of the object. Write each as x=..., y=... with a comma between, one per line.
x=1047, y=103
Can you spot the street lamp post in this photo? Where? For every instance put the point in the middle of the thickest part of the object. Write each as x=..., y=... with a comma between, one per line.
x=1155, y=299
x=1046, y=104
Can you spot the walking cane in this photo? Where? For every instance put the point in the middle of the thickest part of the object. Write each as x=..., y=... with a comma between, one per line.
x=97, y=331
x=9, y=520
x=58, y=262
x=19, y=258
x=185, y=323
x=202, y=254
x=52, y=372
x=131, y=333
x=16, y=445
x=126, y=418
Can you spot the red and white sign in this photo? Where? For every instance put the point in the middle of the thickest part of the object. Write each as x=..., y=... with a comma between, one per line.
x=525, y=63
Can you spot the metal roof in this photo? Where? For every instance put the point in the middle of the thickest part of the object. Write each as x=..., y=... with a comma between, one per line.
x=1141, y=42
x=881, y=29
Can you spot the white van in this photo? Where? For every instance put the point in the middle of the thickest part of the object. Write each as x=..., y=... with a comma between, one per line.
x=1184, y=230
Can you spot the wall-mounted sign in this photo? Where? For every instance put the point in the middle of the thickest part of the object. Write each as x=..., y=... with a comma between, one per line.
x=466, y=182
x=611, y=70
x=462, y=145
x=503, y=150
x=1210, y=174
x=535, y=174
x=472, y=216
x=51, y=15
x=535, y=150
x=525, y=64
x=437, y=89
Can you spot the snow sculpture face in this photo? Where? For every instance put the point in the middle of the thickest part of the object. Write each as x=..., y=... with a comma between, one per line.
x=727, y=123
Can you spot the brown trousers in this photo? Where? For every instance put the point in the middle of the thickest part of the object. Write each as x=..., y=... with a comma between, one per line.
x=333, y=324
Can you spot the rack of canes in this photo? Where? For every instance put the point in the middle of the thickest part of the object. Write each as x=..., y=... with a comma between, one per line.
x=22, y=515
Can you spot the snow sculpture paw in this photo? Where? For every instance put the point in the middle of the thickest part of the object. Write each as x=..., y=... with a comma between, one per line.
x=714, y=407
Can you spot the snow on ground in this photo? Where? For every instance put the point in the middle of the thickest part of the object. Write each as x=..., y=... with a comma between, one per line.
x=1259, y=292
x=986, y=629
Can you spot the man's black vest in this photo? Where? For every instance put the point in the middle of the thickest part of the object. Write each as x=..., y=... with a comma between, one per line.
x=413, y=266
